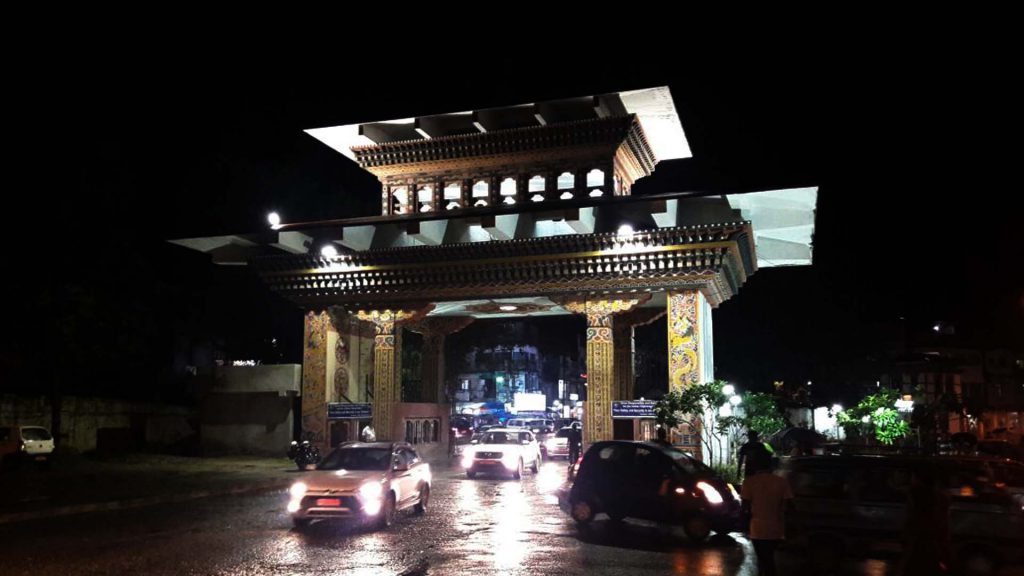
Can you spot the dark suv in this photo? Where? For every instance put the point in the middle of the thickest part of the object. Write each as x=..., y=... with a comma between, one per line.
x=846, y=504
x=653, y=482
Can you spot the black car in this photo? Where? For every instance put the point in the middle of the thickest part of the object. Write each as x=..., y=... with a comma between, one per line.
x=652, y=482
x=857, y=504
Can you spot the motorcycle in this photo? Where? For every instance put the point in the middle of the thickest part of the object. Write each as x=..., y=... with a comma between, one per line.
x=305, y=454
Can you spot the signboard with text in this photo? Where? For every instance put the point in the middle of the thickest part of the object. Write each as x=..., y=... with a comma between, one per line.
x=349, y=411
x=632, y=408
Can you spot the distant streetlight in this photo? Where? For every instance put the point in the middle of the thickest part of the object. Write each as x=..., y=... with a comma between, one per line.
x=837, y=408
x=625, y=230
x=328, y=251
x=735, y=400
x=274, y=219
x=728, y=389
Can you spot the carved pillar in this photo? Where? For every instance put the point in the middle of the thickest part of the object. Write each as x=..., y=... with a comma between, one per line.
x=314, y=378
x=690, y=356
x=386, y=365
x=434, y=331
x=622, y=337
x=623, y=331
x=597, y=424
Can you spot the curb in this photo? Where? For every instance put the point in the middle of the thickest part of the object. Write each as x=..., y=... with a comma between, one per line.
x=140, y=502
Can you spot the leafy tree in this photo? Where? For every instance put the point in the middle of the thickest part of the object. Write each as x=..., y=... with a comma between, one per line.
x=876, y=414
x=761, y=414
x=697, y=406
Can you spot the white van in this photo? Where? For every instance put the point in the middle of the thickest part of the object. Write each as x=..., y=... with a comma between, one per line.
x=28, y=443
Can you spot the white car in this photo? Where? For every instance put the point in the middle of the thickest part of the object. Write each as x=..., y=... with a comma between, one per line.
x=29, y=443
x=502, y=451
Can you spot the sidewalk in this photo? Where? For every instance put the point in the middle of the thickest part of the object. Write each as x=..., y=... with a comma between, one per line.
x=75, y=484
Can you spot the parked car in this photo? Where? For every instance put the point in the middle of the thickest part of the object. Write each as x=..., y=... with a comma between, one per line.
x=368, y=482
x=25, y=443
x=502, y=451
x=1001, y=448
x=653, y=482
x=844, y=504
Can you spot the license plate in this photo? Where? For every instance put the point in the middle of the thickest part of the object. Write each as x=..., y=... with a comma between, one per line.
x=40, y=458
x=328, y=502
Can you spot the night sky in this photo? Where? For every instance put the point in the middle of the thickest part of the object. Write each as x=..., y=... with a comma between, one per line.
x=915, y=219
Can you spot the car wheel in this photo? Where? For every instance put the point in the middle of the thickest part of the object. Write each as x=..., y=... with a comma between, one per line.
x=697, y=528
x=301, y=523
x=518, y=472
x=583, y=512
x=421, y=506
x=387, y=512
x=470, y=474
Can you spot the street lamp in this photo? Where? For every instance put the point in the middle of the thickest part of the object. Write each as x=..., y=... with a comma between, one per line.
x=735, y=400
x=275, y=220
x=328, y=251
x=728, y=389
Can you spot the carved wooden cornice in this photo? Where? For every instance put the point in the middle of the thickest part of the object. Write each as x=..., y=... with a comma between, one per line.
x=714, y=259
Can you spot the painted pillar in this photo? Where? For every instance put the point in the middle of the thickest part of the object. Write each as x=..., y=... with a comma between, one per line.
x=622, y=336
x=690, y=355
x=434, y=331
x=597, y=418
x=387, y=346
x=315, y=355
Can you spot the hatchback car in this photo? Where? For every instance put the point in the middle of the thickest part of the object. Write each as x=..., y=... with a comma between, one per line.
x=502, y=451
x=857, y=503
x=557, y=445
x=369, y=482
x=25, y=443
x=652, y=482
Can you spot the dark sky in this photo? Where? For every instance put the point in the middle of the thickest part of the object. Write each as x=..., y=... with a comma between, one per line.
x=915, y=217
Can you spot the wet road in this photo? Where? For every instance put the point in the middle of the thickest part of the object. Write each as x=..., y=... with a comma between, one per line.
x=480, y=526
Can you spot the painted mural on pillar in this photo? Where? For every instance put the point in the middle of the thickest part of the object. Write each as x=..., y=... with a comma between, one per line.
x=683, y=340
x=341, y=369
x=314, y=378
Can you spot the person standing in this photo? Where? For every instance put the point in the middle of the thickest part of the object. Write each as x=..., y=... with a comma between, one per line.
x=753, y=456
x=575, y=440
x=765, y=498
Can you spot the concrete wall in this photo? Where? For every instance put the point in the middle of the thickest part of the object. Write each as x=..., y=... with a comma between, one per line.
x=250, y=410
x=84, y=420
x=267, y=378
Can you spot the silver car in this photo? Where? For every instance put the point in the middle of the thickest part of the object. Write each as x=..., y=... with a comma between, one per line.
x=367, y=482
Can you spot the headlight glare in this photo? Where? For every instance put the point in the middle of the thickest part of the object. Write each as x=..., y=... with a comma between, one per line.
x=298, y=490
x=712, y=495
x=371, y=491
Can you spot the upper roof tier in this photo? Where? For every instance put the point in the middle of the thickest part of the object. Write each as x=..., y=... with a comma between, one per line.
x=545, y=152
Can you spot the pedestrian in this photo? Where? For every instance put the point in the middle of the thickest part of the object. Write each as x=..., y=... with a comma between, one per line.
x=368, y=434
x=662, y=437
x=765, y=499
x=926, y=533
x=575, y=443
x=753, y=456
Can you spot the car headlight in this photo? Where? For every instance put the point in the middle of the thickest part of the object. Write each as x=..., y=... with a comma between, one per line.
x=710, y=493
x=732, y=490
x=298, y=490
x=371, y=491
x=510, y=460
x=467, y=459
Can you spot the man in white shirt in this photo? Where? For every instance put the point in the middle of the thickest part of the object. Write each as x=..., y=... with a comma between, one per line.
x=765, y=497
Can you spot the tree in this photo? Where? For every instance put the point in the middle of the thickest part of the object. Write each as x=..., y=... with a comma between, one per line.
x=699, y=407
x=761, y=414
x=876, y=414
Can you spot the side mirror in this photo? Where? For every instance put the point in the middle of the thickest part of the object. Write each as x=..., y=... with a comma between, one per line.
x=526, y=442
x=474, y=441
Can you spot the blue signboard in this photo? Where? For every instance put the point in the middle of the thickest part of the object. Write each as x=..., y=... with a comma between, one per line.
x=632, y=408
x=348, y=411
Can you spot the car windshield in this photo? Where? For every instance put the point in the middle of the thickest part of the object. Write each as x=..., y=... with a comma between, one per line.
x=357, y=459
x=35, y=434
x=500, y=438
x=687, y=463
